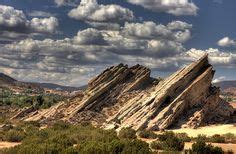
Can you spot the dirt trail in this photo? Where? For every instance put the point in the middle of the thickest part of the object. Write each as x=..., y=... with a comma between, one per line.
x=208, y=130
x=8, y=144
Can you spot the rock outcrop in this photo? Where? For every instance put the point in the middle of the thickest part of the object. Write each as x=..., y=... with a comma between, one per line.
x=129, y=97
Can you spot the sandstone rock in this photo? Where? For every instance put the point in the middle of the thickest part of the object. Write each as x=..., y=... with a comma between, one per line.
x=128, y=97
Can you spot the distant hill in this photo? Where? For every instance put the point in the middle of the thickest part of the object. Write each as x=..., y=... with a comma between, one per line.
x=6, y=81
x=60, y=87
x=224, y=85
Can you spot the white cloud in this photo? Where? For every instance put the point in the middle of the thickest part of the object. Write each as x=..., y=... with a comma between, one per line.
x=179, y=25
x=176, y=31
x=60, y=3
x=91, y=12
x=10, y=17
x=219, y=79
x=15, y=23
x=90, y=36
x=44, y=25
x=175, y=7
x=216, y=57
x=36, y=13
x=227, y=42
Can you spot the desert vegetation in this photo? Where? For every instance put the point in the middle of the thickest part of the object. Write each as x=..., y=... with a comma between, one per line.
x=27, y=98
x=62, y=137
x=65, y=138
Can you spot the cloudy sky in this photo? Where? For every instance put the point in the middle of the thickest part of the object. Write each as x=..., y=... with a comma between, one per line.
x=69, y=41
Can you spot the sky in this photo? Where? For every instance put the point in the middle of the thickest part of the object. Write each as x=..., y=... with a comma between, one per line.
x=68, y=42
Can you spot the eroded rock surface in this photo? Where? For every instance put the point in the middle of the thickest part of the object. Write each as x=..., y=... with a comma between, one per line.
x=129, y=97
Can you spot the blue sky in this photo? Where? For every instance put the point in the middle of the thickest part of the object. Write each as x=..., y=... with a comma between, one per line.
x=52, y=41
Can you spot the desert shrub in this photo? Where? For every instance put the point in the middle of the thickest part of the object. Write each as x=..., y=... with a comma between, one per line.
x=147, y=134
x=14, y=136
x=183, y=137
x=217, y=139
x=92, y=147
x=170, y=142
x=229, y=137
x=39, y=100
x=156, y=145
x=230, y=152
x=67, y=138
x=200, y=147
x=201, y=138
x=166, y=135
x=127, y=133
x=136, y=146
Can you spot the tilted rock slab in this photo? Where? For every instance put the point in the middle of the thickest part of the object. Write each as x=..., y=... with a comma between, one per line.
x=129, y=97
x=186, y=90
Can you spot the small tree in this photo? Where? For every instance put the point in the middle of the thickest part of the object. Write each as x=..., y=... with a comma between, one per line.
x=200, y=147
x=127, y=133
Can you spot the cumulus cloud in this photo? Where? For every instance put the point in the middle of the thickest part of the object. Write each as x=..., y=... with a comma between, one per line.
x=97, y=15
x=10, y=17
x=216, y=57
x=90, y=36
x=66, y=2
x=44, y=25
x=175, y=7
x=219, y=79
x=90, y=51
x=176, y=30
x=36, y=13
x=227, y=42
x=14, y=21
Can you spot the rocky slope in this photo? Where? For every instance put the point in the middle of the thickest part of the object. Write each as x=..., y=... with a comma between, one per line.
x=128, y=97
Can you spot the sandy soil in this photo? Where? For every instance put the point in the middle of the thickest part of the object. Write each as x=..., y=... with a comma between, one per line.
x=208, y=130
x=233, y=104
x=8, y=144
x=225, y=147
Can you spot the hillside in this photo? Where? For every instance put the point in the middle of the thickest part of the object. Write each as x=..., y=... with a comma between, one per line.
x=123, y=96
x=9, y=82
x=6, y=80
x=224, y=85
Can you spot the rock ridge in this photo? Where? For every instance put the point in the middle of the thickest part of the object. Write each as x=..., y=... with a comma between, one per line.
x=123, y=96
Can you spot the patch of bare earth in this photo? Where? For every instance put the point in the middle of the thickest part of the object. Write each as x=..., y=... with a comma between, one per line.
x=4, y=145
x=208, y=130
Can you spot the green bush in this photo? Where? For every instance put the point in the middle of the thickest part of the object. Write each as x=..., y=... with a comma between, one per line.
x=25, y=99
x=230, y=138
x=200, y=147
x=156, y=145
x=136, y=147
x=14, y=136
x=66, y=138
x=183, y=137
x=170, y=142
x=147, y=134
x=127, y=133
x=217, y=139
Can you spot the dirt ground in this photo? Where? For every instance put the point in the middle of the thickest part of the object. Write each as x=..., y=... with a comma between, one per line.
x=225, y=147
x=208, y=130
x=8, y=144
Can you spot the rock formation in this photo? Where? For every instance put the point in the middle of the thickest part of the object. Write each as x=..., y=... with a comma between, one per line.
x=128, y=97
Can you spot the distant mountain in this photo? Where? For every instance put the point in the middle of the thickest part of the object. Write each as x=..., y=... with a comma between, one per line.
x=60, y=87
x=224, y=85
x=6, y=81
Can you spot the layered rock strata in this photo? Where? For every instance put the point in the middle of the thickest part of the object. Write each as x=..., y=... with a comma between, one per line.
x=129, y=97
